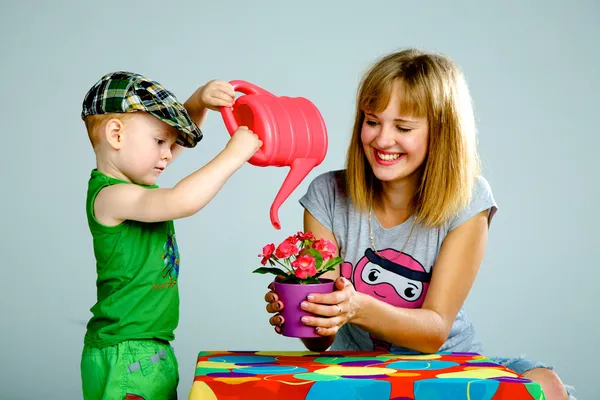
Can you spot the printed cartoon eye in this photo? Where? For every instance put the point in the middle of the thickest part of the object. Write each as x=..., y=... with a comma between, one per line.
x=371, y=274
x=406, y=289
x=410, y=292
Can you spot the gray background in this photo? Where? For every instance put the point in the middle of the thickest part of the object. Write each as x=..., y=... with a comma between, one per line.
x=532, y=68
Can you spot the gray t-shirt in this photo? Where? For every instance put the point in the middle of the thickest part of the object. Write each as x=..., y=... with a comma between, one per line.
x=398, y=278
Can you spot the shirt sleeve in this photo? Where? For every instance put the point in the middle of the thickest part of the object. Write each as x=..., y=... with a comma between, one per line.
x=319, y=199
x=482, y=199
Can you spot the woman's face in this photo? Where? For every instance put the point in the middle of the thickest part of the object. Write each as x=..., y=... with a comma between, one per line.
x=395, y=145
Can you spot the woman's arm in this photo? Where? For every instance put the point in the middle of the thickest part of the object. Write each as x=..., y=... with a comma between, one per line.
x=426, y=329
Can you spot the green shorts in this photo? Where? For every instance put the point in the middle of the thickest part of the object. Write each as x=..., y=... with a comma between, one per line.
x=147, y=369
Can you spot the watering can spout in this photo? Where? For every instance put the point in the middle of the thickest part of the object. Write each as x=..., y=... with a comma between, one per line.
x=299, y=169
x=292, y=131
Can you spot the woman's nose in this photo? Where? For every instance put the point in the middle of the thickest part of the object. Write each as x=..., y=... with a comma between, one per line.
x=385, y=137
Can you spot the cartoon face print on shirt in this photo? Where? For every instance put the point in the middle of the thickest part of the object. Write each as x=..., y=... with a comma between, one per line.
x=390, y=276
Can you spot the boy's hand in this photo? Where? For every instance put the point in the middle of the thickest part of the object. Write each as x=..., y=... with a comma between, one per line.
x=216, y=94
x=244, y=143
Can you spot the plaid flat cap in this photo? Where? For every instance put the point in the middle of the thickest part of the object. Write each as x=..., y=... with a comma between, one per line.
x=122, y=92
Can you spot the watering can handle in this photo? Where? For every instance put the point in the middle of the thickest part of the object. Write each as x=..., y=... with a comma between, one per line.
x=227, y=112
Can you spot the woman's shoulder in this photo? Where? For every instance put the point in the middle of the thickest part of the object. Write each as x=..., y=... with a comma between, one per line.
x=481, y=185
x=334, y=179
x=481, y=190
x=482, y=198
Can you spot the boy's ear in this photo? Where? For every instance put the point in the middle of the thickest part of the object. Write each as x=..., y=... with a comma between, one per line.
x=113, y=131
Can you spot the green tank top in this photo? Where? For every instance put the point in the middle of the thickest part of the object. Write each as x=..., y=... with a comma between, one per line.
x=137, y=265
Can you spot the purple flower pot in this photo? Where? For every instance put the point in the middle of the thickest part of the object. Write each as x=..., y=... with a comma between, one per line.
x=291, y=295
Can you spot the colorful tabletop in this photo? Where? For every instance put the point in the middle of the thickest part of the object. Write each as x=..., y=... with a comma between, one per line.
x=228, y=375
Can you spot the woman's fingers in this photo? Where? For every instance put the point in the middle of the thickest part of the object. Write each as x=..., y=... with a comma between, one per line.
x=274, y=307
x=276, y=320
x=323, y=310
x=328, y=298
x=327, y=331
x=318, y=322
x=271, y=297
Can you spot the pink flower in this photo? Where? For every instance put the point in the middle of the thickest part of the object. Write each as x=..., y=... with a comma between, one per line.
x=326, y=248
x=304, y=266
x=267, y=253
x=287, y=248
x=305, y=236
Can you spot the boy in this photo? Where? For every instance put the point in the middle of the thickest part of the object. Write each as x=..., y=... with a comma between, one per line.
x=137, y=128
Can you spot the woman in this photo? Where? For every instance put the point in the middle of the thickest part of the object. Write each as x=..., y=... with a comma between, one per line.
x=410, y=217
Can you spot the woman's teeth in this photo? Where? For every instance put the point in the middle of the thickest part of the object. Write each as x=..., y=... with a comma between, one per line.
x=388, y=157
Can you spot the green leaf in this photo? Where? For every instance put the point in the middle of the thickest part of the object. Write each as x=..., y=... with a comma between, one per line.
x=323, y=270
x=318, y=274
x=328, y=268
x=329, y=265
x=266, y=270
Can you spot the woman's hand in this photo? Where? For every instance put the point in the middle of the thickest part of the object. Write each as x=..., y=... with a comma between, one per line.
x=333, y=310
x=274, y=306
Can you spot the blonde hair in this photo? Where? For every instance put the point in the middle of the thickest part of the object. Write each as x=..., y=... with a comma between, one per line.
x=94, y=124
x=432, y=86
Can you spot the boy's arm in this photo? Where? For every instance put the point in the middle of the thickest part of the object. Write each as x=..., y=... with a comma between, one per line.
x=195, y=108
x=197, y=111
x=117, y=203
x=211, y=96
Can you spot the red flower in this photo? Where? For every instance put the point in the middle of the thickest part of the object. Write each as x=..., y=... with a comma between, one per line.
x=326, y=248
x=287, y=248
x=304, y=266
x=305, y=236
x=267, y=253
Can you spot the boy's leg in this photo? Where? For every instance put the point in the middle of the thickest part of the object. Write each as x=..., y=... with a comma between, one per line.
x=101, y=377
x=136, y=369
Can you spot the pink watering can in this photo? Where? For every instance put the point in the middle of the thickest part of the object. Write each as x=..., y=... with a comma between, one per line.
x=292, y=131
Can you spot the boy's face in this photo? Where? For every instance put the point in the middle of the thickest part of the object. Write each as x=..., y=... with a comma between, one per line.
x=146, y=148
